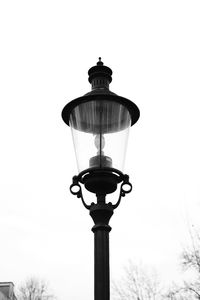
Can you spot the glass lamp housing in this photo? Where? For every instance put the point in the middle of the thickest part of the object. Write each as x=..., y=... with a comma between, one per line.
x=100, y=122
x=100, y=132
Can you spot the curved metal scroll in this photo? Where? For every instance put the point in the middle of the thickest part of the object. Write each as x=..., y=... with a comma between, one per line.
x=123, y=191
x=78, y=193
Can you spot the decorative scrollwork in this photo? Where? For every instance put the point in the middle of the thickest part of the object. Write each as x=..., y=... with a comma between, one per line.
x=78, y=192
x=123, y=191
x=126, y=187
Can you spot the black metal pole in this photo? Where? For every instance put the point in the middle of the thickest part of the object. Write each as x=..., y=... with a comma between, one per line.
x=101, y=214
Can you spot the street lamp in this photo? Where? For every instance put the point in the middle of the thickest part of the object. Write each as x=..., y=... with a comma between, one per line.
x=100, y=122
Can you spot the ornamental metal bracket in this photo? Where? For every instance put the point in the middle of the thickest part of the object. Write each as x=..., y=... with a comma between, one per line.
x=123, y=191
x=75, y=189
x=125, y=188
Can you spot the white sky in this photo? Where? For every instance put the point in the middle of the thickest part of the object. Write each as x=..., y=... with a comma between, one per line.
x=46, y=49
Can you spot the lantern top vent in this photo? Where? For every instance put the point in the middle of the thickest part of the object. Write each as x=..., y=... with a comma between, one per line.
x=100, y=76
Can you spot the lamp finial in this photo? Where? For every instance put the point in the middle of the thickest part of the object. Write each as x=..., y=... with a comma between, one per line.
x=100, y=76
x=100, y=63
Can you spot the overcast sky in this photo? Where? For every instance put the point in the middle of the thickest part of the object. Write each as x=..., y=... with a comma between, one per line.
x=46, y=49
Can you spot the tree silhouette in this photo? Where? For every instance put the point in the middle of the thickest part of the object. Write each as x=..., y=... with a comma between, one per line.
x=137, y=284
x=34, y=289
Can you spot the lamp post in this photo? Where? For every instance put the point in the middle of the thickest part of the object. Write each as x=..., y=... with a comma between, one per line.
x=100, y=122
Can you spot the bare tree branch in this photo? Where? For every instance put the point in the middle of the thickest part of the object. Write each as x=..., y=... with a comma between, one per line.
x=34, y=289
x=137, y=284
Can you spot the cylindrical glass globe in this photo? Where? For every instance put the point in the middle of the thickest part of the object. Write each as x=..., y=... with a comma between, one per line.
x=100, y=132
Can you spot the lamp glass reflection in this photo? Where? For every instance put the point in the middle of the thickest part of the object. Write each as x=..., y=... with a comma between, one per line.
x=100, y=132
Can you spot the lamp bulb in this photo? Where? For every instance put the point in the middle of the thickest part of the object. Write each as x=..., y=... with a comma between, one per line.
x=99, y=142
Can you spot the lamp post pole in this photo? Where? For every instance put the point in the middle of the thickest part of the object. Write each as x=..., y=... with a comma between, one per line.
x=102, y=118
x=101, y=214
x=102, y=182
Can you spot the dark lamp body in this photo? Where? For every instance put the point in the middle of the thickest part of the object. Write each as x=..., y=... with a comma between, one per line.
x=100, y=122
